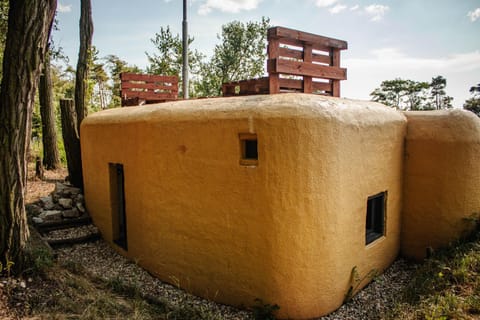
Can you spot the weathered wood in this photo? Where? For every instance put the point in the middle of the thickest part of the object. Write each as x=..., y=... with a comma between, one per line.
x=296, y=54
x=64, y=224
x=138, y=88
x=71, y=141
x=29, y=25
x=281, y=32
x=309, y=69
x=129, y=76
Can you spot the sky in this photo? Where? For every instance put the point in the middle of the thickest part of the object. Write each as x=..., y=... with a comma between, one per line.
x=387, y=39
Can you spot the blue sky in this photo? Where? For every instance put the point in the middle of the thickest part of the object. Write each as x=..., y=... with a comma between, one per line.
x=411, y=39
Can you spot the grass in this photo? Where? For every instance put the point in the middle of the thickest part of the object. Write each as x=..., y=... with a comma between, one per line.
x=445, y=286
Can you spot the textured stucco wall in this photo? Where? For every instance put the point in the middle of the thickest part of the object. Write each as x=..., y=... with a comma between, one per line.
x=288, y=231
x=442, y=179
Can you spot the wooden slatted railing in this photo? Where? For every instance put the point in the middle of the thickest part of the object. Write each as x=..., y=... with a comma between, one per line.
x=138, y=89
x=297, y=62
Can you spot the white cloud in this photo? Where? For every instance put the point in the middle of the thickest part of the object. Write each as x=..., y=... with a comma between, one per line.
x=64, y=7
x=232, y=6
x=376, y=11
x=365, y=74
x=355, y=7
x=474, y=15
x=337, y=9
x=325, y=3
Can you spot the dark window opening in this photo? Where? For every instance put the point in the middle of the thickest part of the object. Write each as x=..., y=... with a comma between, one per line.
x=117, y=195
x=248, y=148
x=251, y=151
x=375, y=224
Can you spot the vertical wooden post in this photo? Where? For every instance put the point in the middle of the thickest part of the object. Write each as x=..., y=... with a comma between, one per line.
x=335, y=62
x=307, y=57
x=71, y=141
x=273, y=85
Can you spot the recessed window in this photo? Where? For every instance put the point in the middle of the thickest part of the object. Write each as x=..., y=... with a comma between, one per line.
x=375, y=224
x=248, y=149
x=117, y=198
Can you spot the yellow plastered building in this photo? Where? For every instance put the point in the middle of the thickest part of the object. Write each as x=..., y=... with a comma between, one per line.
x=275, y=197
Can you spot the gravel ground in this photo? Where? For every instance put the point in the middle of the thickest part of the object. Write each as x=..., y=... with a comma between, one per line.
x=101, y=260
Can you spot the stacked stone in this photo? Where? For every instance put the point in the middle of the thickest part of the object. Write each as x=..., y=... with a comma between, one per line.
x=65, y=202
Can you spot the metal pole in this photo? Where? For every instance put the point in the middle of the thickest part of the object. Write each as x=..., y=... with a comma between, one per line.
x=185, y=51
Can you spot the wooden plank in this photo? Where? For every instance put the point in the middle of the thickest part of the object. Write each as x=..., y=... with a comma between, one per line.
x=126, y=76
x=281, y=32
x=150, y=86
x=149, y=95
x=306, y=69
x=307, y=58
x=336, y=88
x=273, y=52
x=298, y=54
x=322, y=86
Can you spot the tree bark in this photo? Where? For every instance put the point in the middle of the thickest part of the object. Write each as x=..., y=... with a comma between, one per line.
x=86, y=33
x=29, y=25
x=51, y=158
x=71, y=141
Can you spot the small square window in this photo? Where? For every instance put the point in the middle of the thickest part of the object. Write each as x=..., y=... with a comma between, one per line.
x=375, y=223
x=248, y=149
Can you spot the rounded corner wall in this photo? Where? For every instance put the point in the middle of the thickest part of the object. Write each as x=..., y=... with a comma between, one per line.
x=442, y=179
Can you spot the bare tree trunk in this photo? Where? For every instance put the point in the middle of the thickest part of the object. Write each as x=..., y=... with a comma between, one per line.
x=29, y=25
x=51, y=158
x=71, y=141
x=86, y=33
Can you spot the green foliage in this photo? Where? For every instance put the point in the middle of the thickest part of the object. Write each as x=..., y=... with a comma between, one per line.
x=39, y=260
x=447, y=285
x=264, y=311
x=413, y=95
x=473, y=104
x=168, y=58
x=240, y=55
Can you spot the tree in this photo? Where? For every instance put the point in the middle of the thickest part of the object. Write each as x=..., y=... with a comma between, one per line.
x=51, y=158
x=116, y=66
x=240, y=55
x=86, y=33
x=437, y=90
x=168, y=59
x=29, y=25
x=391, y=93
x=413, y=95
x=473, y=104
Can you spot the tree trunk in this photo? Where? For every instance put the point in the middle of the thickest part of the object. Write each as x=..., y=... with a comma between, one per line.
x=29, y=25
x=51, y=158
x=71, y=141
x=86, y=33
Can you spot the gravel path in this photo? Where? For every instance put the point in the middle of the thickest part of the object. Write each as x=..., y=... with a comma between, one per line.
x=102, y=261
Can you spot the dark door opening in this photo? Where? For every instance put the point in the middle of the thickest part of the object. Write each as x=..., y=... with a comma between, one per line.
x=117, y=195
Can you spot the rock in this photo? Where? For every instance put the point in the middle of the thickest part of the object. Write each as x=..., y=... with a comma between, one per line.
x=80, y=198
x=33, y=209
x=37, y=220
x=59, y=187
x=50, y=215
x=73, y=213
x=80, y=207
x=65, y=203
x=47, y=203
